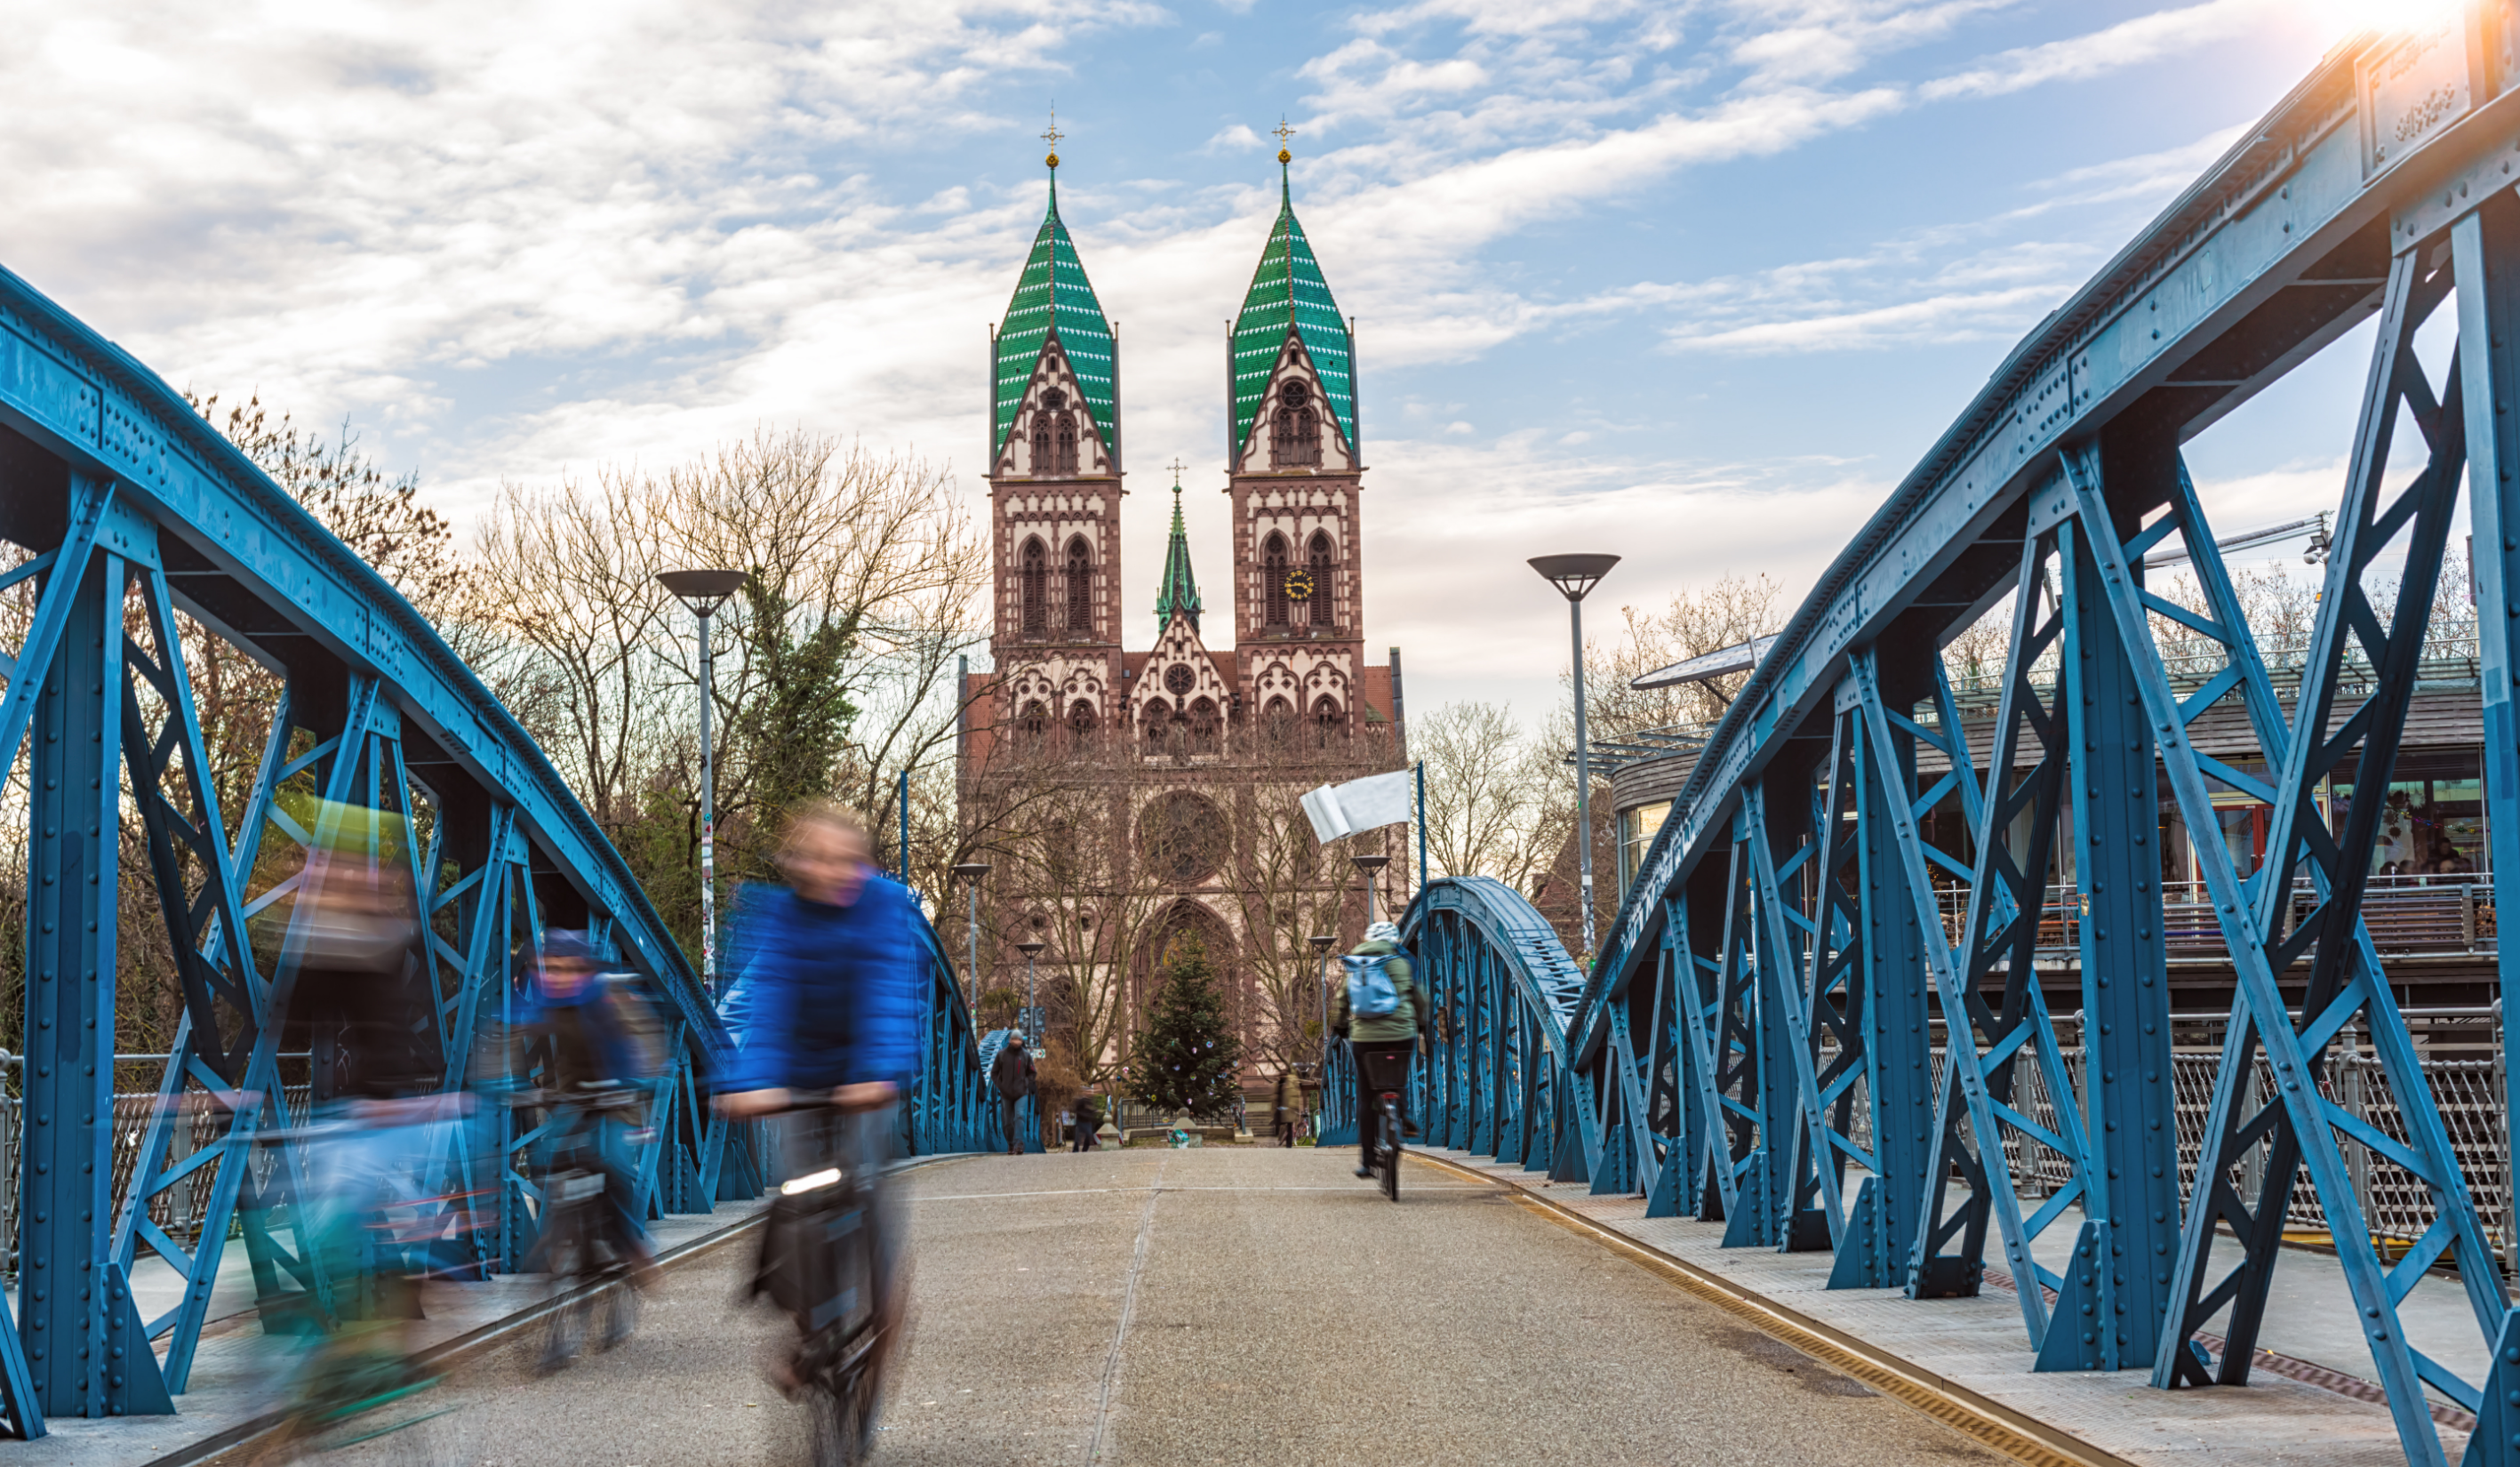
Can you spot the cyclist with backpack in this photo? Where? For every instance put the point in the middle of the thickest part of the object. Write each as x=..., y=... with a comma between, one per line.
x=1380, y=1011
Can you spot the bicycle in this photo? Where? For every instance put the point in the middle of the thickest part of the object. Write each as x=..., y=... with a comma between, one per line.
x=1386, y=1072
x=821, y=1264
x=354, y=1381
x=587, y=1244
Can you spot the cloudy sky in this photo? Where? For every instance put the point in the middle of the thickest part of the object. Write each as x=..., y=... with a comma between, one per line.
x=1693, y=280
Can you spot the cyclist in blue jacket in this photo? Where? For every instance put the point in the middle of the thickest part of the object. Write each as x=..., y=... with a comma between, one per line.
x=826, y=1009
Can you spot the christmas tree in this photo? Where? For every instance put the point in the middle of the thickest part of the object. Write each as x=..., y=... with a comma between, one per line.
x=1185, y=1060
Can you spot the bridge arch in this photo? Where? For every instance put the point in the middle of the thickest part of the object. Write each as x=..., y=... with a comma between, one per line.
x=137, y=528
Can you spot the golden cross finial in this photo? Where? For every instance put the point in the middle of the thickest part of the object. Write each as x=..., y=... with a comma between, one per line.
x=1053, y=136
x=1282, y=130
x=1177, y=466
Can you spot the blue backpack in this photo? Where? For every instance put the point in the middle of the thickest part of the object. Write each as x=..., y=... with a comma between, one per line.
x=1370, y=994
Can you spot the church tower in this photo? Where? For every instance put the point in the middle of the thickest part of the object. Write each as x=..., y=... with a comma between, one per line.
x=1294, y=474
x=1054, y=468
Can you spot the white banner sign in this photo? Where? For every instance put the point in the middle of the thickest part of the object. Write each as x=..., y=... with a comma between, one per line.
x=1337, y=810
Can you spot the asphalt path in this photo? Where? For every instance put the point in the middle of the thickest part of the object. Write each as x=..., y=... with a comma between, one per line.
x=1215, y=1305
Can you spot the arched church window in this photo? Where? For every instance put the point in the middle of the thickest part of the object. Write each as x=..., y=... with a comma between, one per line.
x=1080, y=722
x=1035, y=725
x=1297, y=436
x=1204, y=733
x=1319, y=552
x=1273, y=577
x=1158, y=724
x=1328, y=726
x=1080, y=588
x=1276, y=720
x=1054, y=435
x=1034, y=587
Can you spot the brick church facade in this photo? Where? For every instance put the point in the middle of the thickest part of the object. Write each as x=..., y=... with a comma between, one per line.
x=1171, y=775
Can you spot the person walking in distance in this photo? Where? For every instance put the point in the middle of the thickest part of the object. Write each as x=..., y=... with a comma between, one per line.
x=1286, y=1106
x=1012, y=1075
x=1387, y=1012
x=1089, y=1120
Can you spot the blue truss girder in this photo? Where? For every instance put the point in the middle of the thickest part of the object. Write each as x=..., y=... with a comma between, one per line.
x=133, y=510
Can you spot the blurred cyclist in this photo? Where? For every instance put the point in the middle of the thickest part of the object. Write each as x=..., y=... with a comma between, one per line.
x=1387, y=1017
x=603, y=1048
x=376, y=1203
x=827, y=1017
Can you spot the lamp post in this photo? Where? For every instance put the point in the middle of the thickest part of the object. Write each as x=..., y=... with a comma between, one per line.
x=1574, y=577
x=704, y=591
x=971, y=872
x=1031, y=949
x=1370, y=867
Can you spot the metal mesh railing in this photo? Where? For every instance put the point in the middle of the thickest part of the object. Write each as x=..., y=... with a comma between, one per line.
x=2467, y=1092
x=178, y=1209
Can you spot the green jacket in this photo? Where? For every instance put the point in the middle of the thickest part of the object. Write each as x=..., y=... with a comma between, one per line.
x=1406, y=1022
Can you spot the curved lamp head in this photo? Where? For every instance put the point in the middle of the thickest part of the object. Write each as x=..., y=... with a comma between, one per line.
x=1031, y=949
x=1574, y=576
x=1321, y=942
x=703, y=591
x=971, y=870
x=1370, y=864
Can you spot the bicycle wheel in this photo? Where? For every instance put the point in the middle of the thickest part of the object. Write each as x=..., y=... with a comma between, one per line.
x=1390, y=1151
x=837, y=1429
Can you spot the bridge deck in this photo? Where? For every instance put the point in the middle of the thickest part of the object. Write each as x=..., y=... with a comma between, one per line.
x=1223, y=1306
x=1976, y=1346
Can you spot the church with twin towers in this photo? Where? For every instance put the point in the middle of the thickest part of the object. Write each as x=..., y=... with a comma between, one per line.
x=1189, y=741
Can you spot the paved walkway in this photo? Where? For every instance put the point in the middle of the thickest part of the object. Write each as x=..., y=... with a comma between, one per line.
x=1978, y=1346
x=1221, y=1306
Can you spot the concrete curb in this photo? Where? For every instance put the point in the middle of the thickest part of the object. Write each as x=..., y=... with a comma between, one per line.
x=1988, y=1422
x=480, y=1340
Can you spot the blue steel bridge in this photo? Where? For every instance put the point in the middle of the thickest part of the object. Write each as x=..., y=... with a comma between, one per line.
x=1757, y=1043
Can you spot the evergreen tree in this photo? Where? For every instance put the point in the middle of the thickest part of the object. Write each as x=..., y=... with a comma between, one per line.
x=1185, y=1060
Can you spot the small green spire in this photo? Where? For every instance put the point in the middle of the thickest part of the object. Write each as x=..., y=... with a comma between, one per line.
x=1180, y=590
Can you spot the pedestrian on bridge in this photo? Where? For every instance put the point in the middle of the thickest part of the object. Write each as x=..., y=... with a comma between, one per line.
x=1286, y=1106
x=1012, y=1076
x=1380, y=1010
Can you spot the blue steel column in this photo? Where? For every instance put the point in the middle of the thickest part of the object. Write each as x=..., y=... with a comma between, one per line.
x=2485, y=252
x=1881, y=1231
x=1767, y=953
x=2118, y=1284
x=84, y=1347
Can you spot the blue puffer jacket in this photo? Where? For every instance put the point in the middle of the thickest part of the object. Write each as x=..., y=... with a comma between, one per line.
x=828, y=995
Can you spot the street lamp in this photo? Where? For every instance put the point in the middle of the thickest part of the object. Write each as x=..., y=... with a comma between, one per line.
x=1371, y=866
x=973, y=871
x=704, y=591
x=1030, y=949
x=1574, y=577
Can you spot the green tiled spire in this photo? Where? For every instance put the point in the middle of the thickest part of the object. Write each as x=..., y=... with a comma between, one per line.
x=1180, y=590
x=1053, y=296
x=1288, y=291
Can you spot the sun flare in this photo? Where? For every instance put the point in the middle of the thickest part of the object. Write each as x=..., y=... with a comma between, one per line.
x=2343, y=18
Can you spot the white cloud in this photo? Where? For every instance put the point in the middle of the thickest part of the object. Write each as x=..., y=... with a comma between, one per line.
x=1239, y=138
x=2129, y=43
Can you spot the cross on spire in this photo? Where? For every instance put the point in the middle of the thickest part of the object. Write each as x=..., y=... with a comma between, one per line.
x=1283, y=131
x=1177, y=466
x=1051, y=135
